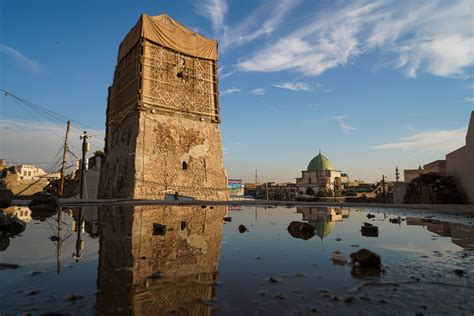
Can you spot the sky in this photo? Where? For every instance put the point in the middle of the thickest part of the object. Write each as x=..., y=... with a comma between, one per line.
x=373, y=84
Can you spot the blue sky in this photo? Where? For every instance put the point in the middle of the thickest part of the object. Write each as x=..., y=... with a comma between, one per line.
x=373, y=84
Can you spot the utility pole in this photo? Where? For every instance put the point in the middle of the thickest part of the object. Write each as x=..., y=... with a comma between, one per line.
x=61, y=186
x=79, y=243
x=85, y=149
x=58, y=241
x=383, y=189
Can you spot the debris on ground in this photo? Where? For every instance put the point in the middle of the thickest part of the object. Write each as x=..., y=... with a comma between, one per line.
x=365, y=263
x=273, y=280
x=242, y=229
x=369, y=216
x=396, y=220
x=54, y=238
x=9, y=266
x=301, y=230
x=369, y=230
x=73, y=297
x=338, y=259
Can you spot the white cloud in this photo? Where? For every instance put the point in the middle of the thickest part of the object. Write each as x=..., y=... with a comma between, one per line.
x=28, y=141
x=432, y=141
x=294, y=86
x=20, y=59
x=258, y=91
x=215, y=10
x=469, y=99
x=230, y=91
x=250, y=28
x=342, y=124
x=431, y=36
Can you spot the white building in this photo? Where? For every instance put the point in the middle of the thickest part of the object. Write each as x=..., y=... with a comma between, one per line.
x=29, y=172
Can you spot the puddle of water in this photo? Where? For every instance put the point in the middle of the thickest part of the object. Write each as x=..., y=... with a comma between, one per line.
x=189, y=260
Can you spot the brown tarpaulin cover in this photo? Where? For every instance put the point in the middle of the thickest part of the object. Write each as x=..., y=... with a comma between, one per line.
x=163, y=30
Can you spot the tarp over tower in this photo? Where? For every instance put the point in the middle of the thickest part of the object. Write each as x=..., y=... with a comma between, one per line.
x=162, y=131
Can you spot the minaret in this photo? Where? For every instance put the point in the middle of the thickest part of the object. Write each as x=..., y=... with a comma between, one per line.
x=162, y=130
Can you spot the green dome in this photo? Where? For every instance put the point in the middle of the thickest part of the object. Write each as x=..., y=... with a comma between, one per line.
x=320, y=163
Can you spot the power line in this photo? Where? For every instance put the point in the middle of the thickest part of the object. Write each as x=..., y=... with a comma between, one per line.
x=46, y=111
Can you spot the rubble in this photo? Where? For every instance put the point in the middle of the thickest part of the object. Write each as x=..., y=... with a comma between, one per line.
x=6, y=197
x=369, y=230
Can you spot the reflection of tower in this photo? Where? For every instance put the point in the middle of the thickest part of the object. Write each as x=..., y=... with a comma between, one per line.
x=162, y=131
x=158, y=259
x=323, y=218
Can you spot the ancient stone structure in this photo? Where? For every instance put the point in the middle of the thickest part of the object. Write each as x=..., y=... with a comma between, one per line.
x=158, y=260
x=162, y=133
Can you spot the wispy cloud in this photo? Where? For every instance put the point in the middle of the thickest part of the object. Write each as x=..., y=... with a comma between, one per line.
x=215, y=10
x=258, y=91
x=294, y=86
x=20, y=59
x=342, y=124
x=230, y=91
x=250, y=28
x=469, y=99
x=431, y=141
x=433, y=36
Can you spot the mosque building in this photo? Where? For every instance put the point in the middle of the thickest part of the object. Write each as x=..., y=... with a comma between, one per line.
x=319, y=178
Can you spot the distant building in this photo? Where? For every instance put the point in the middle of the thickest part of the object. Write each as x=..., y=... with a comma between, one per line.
x=460, y=164
x=29, y=172
x=319, y=177
x=437, y=166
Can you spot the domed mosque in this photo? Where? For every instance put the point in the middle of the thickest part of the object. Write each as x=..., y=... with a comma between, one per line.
x=319, y=178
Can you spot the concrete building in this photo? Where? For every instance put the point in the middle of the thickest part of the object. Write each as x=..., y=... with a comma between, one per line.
x=162, y=126
x=460, y=165
x=319, y=177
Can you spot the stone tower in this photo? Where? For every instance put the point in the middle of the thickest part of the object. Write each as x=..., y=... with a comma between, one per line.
x=162, y=130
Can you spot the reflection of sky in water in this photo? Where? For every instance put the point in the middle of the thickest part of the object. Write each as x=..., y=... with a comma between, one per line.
x=246, y=260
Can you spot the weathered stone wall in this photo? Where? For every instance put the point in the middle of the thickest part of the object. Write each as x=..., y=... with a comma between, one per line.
x=164, y=144
x=158, y=273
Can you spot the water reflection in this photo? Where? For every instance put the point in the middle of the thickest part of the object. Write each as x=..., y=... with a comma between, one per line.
x=143, y=272
x=461, y=235
x=323, y=218
x=10, y=225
